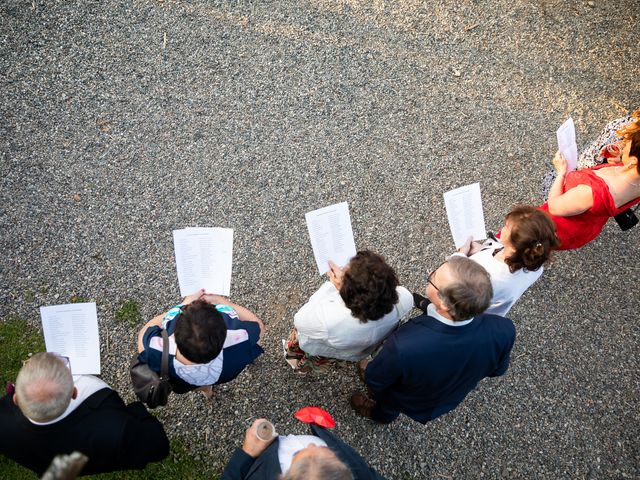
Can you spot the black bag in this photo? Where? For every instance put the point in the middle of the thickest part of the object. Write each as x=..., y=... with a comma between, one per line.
x=151, y=388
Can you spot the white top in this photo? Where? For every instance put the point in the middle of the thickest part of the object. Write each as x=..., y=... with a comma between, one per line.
x=507, y=287
x=432, y=312
x=86, y=385
x=326, y=327
x=291, y=444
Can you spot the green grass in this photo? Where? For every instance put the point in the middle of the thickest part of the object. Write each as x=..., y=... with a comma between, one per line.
x=129, y=313
x=178, y=465
x=17, y=340
x=77, y=299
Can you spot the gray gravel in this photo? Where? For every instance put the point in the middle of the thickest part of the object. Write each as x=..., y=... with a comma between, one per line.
x=160, y=115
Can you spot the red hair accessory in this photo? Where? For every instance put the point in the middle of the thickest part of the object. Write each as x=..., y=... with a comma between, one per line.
x=315, y=415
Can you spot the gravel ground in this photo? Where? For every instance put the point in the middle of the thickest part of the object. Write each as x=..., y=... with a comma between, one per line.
x=121, y=121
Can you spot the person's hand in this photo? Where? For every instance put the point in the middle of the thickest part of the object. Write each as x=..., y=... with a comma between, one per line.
x=560, y=164
x=335, y=275
x=252, y=445
x=214, y=299
x=194, y=297
x=466, y=248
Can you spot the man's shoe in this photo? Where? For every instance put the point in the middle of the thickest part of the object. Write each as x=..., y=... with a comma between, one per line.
x=420, y=302
x=362, y=404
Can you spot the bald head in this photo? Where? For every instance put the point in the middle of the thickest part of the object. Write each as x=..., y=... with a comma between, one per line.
x=44, y=387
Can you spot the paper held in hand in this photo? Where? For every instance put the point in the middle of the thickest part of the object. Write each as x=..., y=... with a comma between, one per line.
x=204, y=259
x=72, y=331
x=567, y=143
x=331, y=236
x=465, y=214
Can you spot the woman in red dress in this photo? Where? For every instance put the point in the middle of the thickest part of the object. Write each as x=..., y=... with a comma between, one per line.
x=581, y=202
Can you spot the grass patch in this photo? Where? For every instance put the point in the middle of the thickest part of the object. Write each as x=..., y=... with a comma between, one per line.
x=179, y=464
x=129, y=313
x=17, y=340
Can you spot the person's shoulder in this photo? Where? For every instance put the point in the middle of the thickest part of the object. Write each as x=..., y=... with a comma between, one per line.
x=497, y=322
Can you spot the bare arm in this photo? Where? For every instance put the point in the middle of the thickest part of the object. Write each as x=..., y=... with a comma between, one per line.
x=154, y=322
x=572, y=202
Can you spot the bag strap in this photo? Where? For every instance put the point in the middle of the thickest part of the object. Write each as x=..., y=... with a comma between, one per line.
x=164, y=368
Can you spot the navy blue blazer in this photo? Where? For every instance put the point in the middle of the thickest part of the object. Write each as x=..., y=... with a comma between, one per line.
x=113, y=435
x=426, y=367
x=242, y=466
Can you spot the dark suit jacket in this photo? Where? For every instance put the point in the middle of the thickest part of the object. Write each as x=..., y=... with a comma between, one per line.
x=113, y=435
x=242, y=466
x=426, y=368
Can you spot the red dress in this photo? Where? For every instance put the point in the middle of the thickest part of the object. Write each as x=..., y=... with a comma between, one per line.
x=578, y=230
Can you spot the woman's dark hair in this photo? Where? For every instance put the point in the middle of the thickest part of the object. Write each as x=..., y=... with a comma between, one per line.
x=369, y=286
x=631, y=132
x=533, y=236
x=200, y=332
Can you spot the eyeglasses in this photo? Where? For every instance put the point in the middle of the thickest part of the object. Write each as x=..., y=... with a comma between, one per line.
x=431, y=276
x=430, y=282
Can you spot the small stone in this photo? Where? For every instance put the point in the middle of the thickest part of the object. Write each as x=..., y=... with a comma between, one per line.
x=76, y=197
x=591, y=4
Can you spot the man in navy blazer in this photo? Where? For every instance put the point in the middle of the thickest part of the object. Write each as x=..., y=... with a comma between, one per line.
x=429, y=365
x=53, y=412
x=297, y=457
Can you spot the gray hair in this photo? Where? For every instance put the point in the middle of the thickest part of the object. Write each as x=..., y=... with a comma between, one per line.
x=470, y=293
x=318, y=468
x=44, y=387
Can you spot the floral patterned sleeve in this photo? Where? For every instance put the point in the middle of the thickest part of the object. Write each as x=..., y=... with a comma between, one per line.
x=590, y=156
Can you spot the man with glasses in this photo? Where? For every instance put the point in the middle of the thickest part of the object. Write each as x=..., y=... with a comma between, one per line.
x=52, y=412
x=429, y=365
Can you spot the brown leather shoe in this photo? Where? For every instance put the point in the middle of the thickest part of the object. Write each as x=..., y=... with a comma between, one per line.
x=362, y=404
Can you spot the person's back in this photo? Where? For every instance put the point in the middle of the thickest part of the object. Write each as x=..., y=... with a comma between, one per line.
x=429, y=365
x=443, y=363
x=50, y=414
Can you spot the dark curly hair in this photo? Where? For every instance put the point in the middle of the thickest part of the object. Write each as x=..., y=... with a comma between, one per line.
x=200, y=332
x=533, y=236
x=369, y=286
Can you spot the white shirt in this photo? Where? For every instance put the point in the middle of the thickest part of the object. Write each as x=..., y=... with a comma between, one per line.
x=326, y=327
x=86, y=385
x=432, y=312
x=507, y=287
x=289, y=445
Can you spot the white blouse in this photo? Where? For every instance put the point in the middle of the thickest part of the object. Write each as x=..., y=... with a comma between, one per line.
x=507, y=287
x=326, y=327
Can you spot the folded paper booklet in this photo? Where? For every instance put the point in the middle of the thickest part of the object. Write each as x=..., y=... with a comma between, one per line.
x=293, y=362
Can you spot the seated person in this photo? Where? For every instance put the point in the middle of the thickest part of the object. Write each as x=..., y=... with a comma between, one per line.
x=211, y=340
x=429, y=365
x=350, y=314
x=296, y=457
x=53, y=413
x=516, y=260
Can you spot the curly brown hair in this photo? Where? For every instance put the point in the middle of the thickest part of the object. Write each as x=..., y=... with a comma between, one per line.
x=533, y=236
x=369, y=286
x=631, y=132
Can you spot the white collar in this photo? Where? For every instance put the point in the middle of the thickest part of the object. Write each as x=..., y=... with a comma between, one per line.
x=432, y=312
